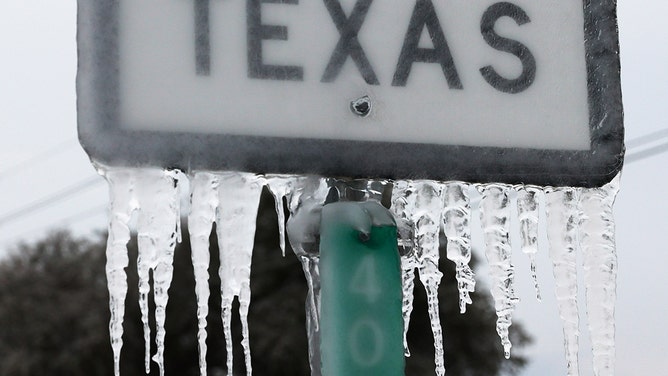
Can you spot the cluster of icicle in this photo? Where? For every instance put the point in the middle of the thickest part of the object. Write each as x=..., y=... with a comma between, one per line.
x=581, y=220
x=577, y=219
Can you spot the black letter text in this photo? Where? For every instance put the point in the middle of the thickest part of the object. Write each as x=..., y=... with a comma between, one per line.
x=424, y=14
x=489, y=18
x=348, y=44
x=202, y=40
x=257, y=32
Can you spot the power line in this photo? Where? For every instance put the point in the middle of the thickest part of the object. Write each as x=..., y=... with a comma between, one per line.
x=49, y=200
x=647, y=153
x=42, y=156
x=646, y=139
x=100, y=209
x=63, y=222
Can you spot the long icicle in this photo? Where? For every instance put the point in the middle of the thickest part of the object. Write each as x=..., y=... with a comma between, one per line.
x=426, y=215
x=597, y=239
x=456, y=219
x=204, y=202
x=146, y=258
x=145, y=261
x=239, y=197
x=279, y=186
x=563, y=216
x=122, y=205
x=495, y=219
x=305, y=203
x=528, y=212
x=409, y=263
x=157, y=235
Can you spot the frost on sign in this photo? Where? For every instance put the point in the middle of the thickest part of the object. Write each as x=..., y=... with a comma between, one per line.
x=525, y=91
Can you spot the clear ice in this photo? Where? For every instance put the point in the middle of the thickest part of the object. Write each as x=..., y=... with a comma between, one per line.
x=204, y=205
x=400, y=209
x=562, y=230
x=581, y=219
x=422, y=207
x=456, y=218
x=230, y=199
x=305, y=201
x=279, y=186
x=578, y=219
x=154, y=195
x=597, y=240
x=495, y=219
x=121, y=206
x=528, y=215
x=238, y=197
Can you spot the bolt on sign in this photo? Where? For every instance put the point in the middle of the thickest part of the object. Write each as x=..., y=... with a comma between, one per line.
x=520, y=91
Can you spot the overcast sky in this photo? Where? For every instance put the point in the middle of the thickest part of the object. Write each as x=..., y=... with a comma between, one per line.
x=41, y=161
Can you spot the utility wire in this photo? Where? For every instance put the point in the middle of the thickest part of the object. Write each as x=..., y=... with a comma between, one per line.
x=49, y=200
x=44, y=155
x=97, y=210
x=63, y=222
x=647, y=153
x=646, y=139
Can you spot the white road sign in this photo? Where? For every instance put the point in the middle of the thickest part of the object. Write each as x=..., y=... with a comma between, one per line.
x=477, y=90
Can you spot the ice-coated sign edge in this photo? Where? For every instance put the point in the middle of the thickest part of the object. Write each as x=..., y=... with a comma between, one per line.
x=103, y=139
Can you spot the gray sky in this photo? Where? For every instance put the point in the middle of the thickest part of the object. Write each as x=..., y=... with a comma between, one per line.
x=40, y=160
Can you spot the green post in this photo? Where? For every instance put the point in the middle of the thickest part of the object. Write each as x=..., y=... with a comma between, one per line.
x=360, y=270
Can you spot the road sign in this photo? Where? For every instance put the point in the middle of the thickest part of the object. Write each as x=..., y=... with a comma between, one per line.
x=525, y=91
x=361, y=321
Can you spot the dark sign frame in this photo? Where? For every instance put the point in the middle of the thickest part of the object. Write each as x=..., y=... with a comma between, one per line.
x=103, y=138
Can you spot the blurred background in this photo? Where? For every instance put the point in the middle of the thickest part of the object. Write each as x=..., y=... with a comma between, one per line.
x=53, y=309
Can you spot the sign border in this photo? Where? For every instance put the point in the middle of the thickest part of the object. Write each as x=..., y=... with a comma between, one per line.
x=102, y=137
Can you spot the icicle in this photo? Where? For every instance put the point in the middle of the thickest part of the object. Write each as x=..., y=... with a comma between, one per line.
x=146, y=259
x=153, y=193
x=239, y=197
x=456, y=217
x=527, y=209
x=409, y=262
x=305, y=203
x=422, y=207
x=279, y=186
x=122, y=205
x=427, y=219
x=597, y=239
x=562, y=229
x=157, y=225
x=495, y=219
x=204, y=202
x=408, y=267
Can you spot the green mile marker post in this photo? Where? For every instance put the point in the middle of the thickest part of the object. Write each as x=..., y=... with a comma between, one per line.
x=360, y=270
